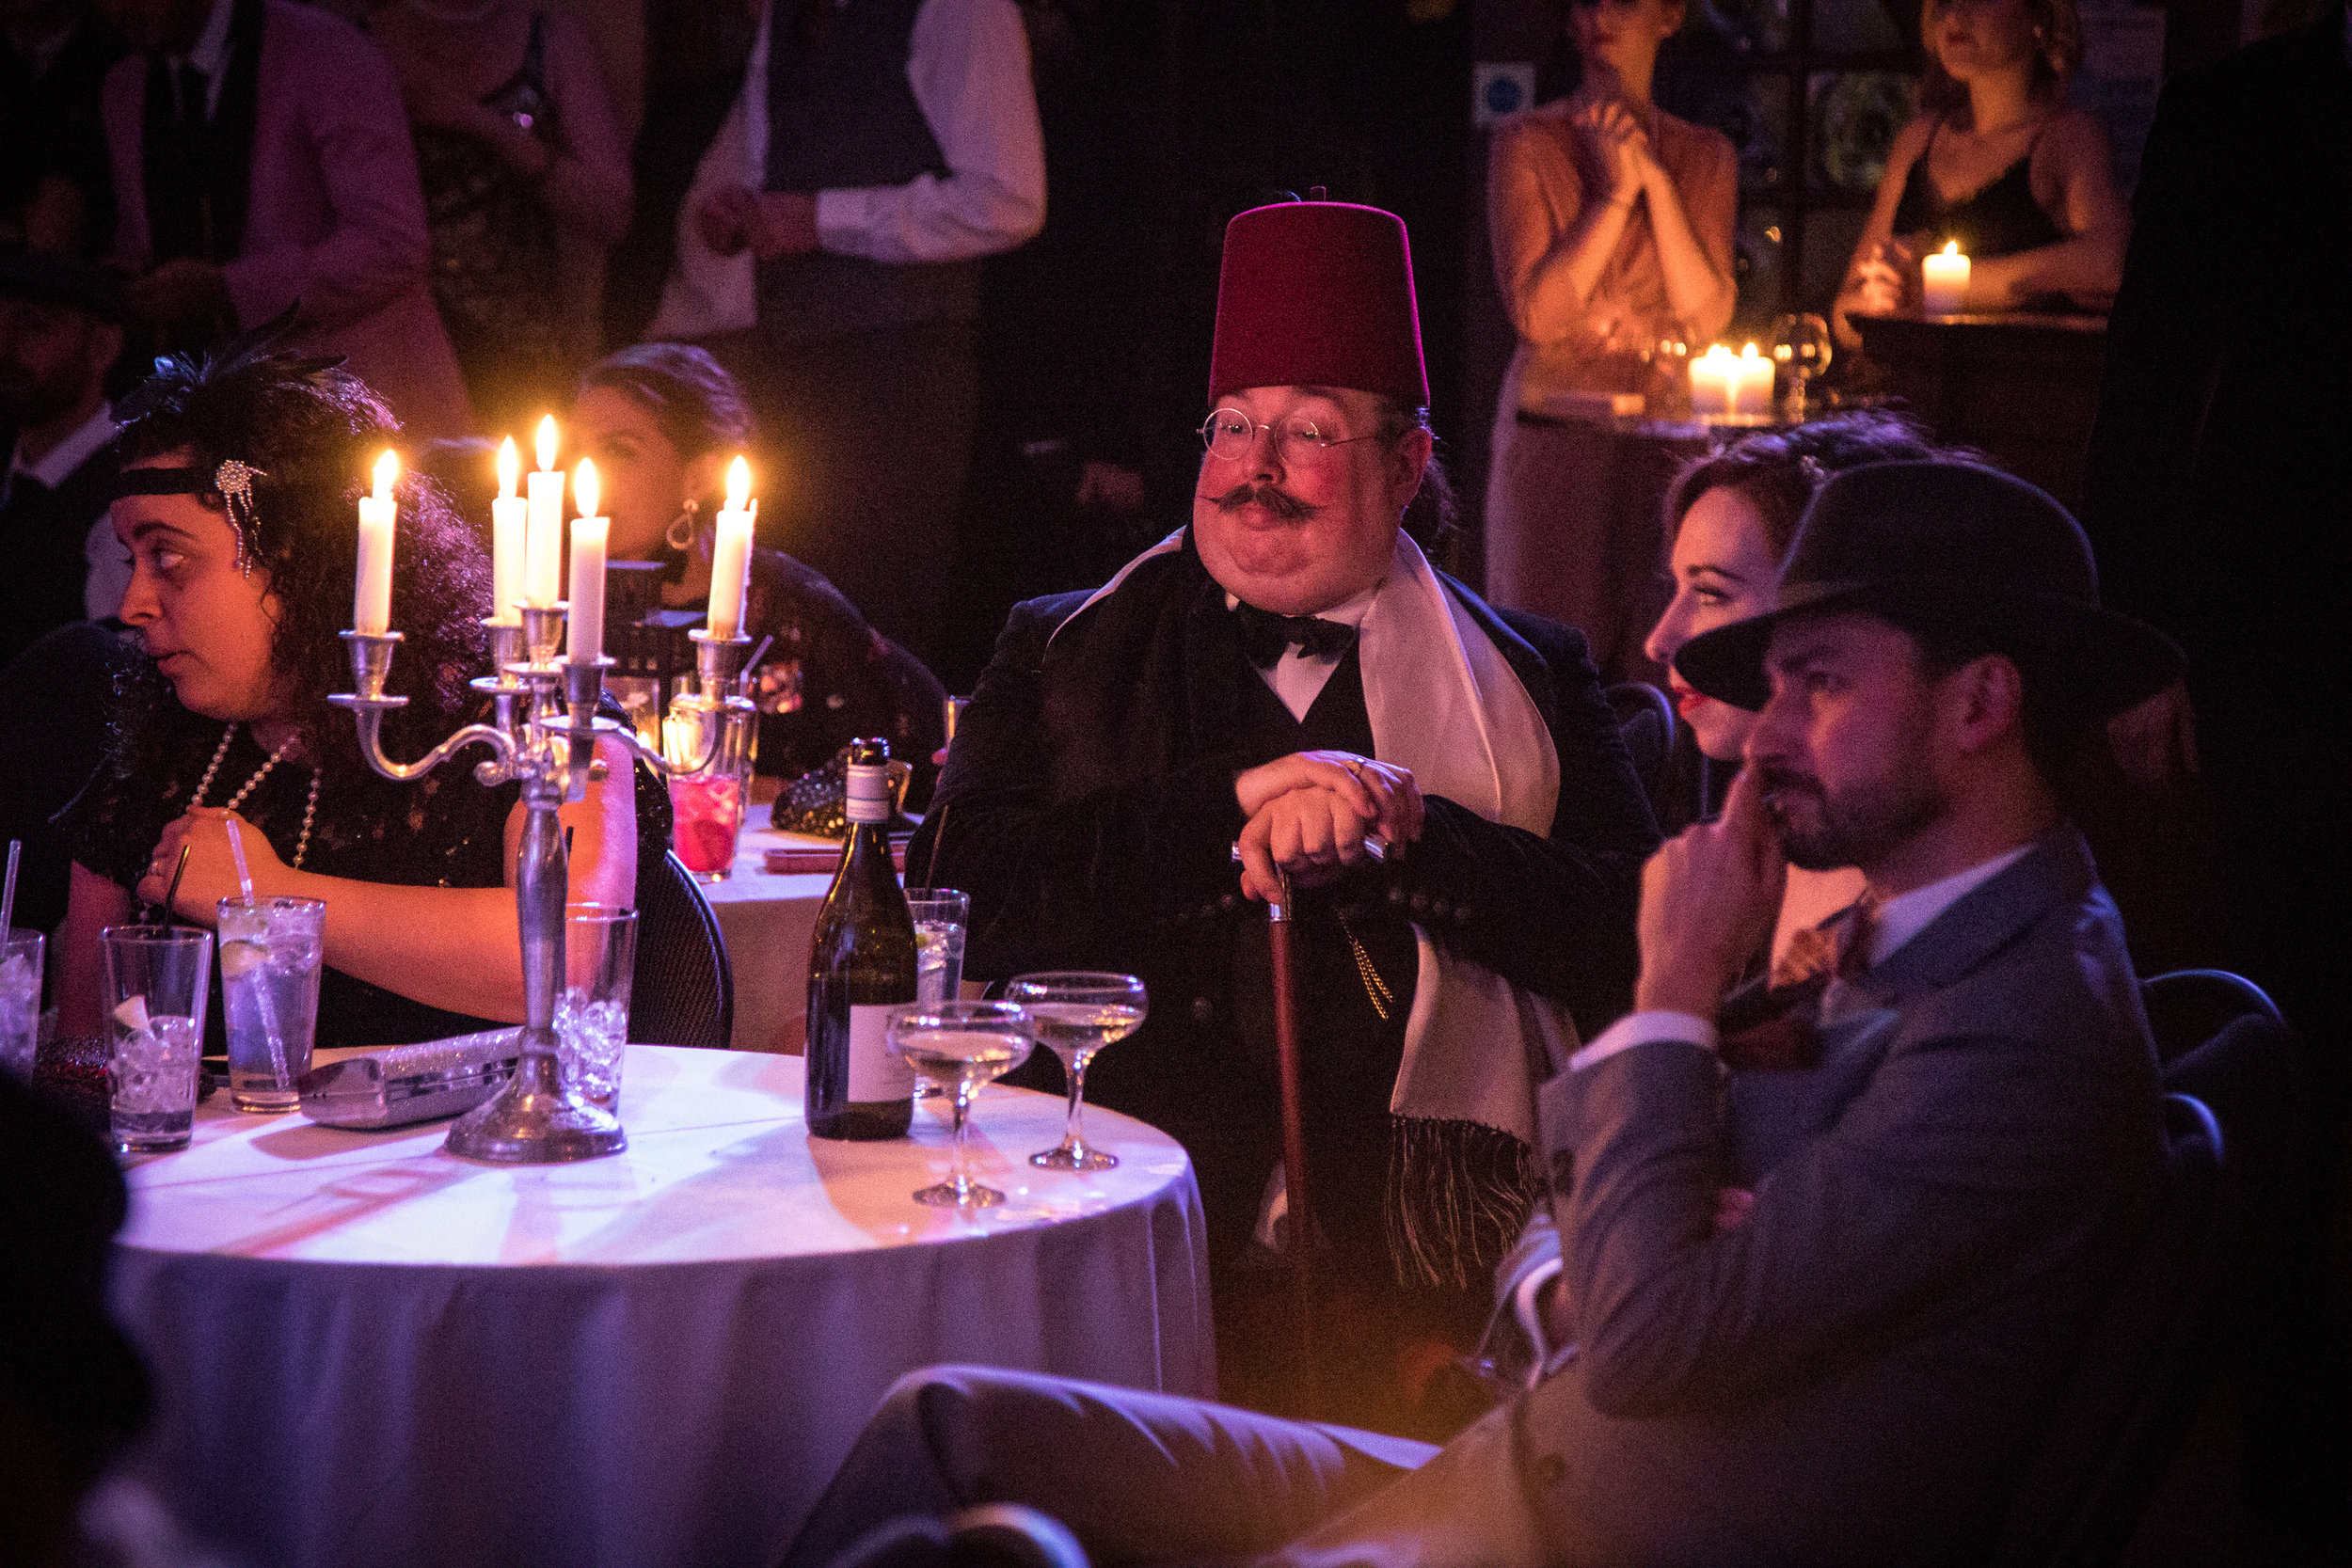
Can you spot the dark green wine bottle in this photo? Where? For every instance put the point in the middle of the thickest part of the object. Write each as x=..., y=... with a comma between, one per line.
x=860, y=968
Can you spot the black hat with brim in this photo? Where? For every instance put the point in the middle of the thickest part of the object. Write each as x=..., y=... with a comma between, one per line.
x=1949, y=544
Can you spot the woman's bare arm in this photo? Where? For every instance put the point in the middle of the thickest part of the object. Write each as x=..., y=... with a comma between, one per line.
x=1548, y=262
x=2075, y=166
x=455, y=948
x=1875, y=282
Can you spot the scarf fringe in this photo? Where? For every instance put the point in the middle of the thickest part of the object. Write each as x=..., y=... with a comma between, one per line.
x=1460, y=1193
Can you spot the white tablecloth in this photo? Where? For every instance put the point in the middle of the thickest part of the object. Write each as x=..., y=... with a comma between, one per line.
x=370, y=1353
x=768, y=920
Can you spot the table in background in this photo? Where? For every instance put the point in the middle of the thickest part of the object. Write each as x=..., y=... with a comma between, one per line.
x=2023, y=389
x=367, y=1352
x=768, y=919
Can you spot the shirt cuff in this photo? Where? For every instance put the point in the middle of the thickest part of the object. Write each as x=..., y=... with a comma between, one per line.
x=841, y=220
x=1645, y=1029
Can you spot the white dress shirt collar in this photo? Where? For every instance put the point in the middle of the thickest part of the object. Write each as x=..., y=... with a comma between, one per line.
x=1298, y=678
x=210, y=52
x=1907, y=915
x=60, y=461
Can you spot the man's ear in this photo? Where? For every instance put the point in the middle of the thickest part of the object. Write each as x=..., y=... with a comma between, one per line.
x=1985, y=700
x=1407, y=461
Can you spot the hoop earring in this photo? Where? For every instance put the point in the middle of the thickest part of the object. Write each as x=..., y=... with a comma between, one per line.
x=683, y=520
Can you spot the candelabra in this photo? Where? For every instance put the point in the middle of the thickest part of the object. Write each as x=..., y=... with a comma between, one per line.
x=544, y=734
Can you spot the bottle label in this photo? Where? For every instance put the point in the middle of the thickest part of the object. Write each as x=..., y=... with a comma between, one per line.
x=868, y=797
x=876, y=1072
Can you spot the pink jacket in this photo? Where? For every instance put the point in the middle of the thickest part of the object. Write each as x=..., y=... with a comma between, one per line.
x=335, y=218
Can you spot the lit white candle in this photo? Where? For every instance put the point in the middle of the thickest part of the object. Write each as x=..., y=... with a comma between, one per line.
x=372, y=601
x=543, y=530
x=589, y=534
x=1750, y=390
x=507, y=532
x=1712, y=376
x=1944, y=281
x=731, y=554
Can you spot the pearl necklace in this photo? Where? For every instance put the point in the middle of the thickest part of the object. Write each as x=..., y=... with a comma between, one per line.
x=309, y=809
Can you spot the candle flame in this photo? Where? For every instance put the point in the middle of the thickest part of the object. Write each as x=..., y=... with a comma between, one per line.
x=547, y=443
x=387, y=470
x=508, y=462
x=1951, y=248
x=739, y=484
x=1715, y=355
x=585, y=487
x=1748, y=353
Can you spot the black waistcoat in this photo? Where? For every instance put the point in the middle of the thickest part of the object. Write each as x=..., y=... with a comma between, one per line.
x=841, y=115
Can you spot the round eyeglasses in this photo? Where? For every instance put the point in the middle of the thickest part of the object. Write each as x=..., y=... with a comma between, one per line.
x=1299, y=442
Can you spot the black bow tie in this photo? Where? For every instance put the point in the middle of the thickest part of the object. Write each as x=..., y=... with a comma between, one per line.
x=1264, y=635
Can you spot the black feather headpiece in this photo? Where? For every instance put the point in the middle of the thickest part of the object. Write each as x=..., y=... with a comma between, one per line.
x=217, y=405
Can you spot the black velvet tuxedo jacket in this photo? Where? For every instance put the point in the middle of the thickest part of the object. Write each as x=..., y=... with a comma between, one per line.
x=1088, y=807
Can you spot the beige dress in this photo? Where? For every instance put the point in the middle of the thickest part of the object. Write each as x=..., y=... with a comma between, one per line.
x=1571, y=525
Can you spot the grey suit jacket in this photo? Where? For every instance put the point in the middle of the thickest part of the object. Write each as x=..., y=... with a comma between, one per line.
x=1856, y=1372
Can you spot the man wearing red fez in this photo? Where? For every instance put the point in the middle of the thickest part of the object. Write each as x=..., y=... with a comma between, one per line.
x=1289, y=673
x=1844, y=1269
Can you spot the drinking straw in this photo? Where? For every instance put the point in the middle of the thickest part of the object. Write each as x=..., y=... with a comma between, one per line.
x=744, y=681
x=173, y=891
x=260, y=987
x=8, y=891
x=236, y=852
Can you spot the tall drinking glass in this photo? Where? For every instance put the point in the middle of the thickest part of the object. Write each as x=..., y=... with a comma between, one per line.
x=1078, y=1013
x=20, y=1001
x=156, y=980
x=269, y=996
x=591, y=1013
x=960, y=1046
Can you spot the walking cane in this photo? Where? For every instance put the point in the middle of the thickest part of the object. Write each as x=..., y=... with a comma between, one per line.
x=1297, y=1204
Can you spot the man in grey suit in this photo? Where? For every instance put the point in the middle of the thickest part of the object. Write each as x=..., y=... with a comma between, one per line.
x=1825, y=1250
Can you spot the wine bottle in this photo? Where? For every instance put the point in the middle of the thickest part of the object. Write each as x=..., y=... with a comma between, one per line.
x=860, y=968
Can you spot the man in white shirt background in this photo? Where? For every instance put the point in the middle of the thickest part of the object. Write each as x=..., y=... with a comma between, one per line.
x=828, y=256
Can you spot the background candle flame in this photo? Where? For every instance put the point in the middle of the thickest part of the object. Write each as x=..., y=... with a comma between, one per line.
x=739, y=484
x=585, y=487
x=547, y=443
x=508, y=462
x=387, y=471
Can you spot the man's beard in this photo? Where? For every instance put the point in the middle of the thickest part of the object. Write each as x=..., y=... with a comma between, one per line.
x=1821, y=834
x=1280, y=502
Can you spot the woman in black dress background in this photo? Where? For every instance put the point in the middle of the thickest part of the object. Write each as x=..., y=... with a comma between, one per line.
x=1995, y=161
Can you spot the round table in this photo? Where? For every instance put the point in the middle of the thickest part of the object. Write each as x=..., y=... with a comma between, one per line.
x=767, y=918
x=368, y=1351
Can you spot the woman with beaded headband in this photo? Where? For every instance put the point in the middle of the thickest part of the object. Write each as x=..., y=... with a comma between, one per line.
x=236, y=508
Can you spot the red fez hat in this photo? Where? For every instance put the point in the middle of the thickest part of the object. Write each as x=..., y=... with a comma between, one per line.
x=1318, y=293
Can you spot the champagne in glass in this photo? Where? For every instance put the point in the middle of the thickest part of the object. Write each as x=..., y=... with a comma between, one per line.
x=958, y=1046
x=861, y=969
x=1077, y=1014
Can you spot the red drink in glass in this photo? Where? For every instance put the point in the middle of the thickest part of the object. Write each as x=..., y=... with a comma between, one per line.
x=707, y=812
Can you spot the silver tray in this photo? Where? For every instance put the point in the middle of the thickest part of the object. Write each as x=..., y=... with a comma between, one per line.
x=405, y=1083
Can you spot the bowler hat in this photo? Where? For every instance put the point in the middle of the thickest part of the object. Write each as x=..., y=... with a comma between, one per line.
x=50, y=280
x=1951, y=545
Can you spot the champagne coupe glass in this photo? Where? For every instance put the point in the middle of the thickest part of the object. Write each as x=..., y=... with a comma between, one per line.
x=960, y=1046
x=1077, y=1014
x=1800, y=345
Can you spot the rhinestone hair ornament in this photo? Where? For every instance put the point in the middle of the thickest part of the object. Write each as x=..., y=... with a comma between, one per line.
x=182, y=387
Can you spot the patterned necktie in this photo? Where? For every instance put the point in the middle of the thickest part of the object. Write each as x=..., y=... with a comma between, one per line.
x=1264, y=635
x=1791, y=1041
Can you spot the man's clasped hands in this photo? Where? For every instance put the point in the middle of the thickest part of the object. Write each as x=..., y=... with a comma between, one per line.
x=1307, y=817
